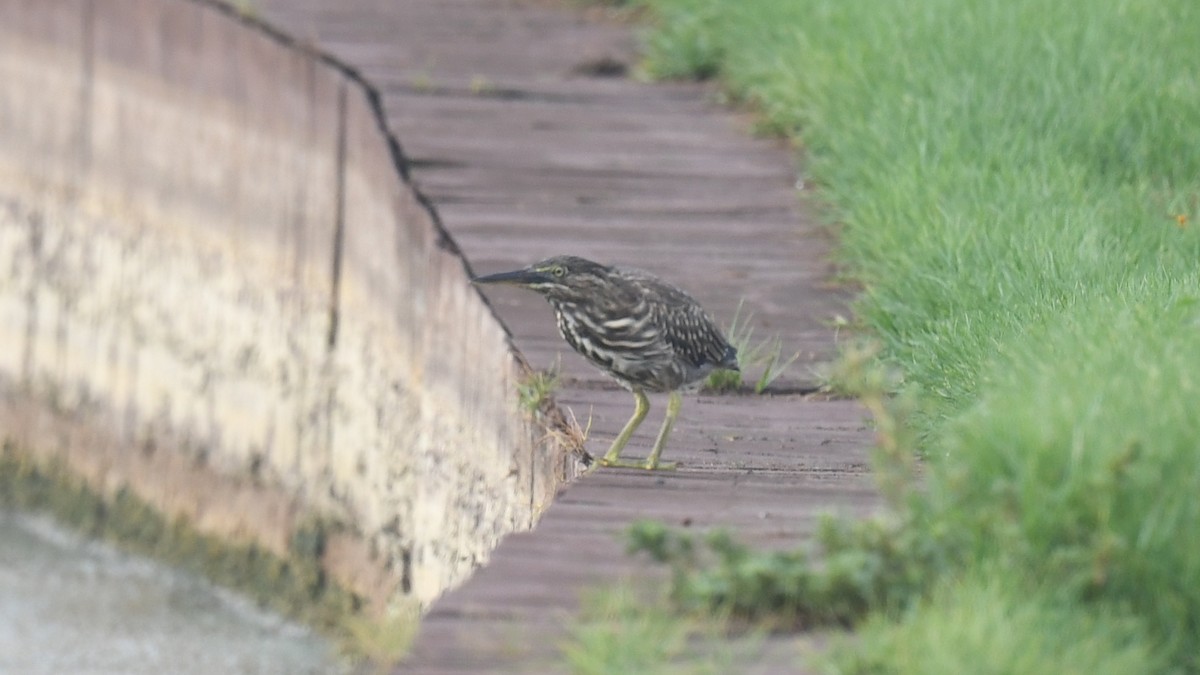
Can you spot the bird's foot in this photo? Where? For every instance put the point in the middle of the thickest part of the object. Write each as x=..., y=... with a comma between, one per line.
x=637, y=464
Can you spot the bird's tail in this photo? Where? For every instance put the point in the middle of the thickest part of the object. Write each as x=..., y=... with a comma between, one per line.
x=729, y=359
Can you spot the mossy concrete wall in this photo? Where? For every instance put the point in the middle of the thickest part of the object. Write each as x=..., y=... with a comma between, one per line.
x=219, y=291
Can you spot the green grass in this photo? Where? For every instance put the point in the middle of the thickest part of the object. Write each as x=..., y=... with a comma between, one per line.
x=861, y=565
x=987, y=163
x=997, y=630
x=762, y=356
x=621, y=630
x=537, y=389
x=1016, y=186
x=1083, y=468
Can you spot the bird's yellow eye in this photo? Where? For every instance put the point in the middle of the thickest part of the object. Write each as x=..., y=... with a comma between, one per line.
x=559, y=271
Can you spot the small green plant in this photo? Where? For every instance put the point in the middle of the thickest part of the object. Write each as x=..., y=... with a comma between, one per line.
x=535, y=394
x=772, y=362
x=246, y=8
x=538, y=388
x=683, y=44
x=766, y=354
x=617, y=634
x=862, y=565
x=381, y=643
x=623, y=630
x=480, y=85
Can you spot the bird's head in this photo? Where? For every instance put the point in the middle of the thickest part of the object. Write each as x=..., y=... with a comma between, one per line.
x=561, y=278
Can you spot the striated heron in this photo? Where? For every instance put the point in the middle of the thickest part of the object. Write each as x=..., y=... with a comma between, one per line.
x=645, y=333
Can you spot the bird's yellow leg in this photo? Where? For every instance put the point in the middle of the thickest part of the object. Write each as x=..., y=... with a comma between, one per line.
x=612, y=457
x=674, y=403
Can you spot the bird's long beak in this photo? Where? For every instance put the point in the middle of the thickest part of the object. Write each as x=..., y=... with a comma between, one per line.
x=524, y=277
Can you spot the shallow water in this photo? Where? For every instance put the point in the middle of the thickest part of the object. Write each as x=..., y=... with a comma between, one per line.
x=72, y=605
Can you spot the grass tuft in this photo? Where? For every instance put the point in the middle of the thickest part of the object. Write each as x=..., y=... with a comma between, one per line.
x=621, y=630
x=380, y=644
x=765, y=355
x=537, y=390
x=856, y=566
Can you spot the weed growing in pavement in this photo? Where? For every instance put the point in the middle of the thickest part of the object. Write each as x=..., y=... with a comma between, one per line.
x=625, y=630
x=765, y=355
x=538, y=388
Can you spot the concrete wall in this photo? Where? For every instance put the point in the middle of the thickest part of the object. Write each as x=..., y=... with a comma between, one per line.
x=217, y=289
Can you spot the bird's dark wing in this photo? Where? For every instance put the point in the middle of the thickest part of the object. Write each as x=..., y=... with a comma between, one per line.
x=684, y=325
x=696, y=337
